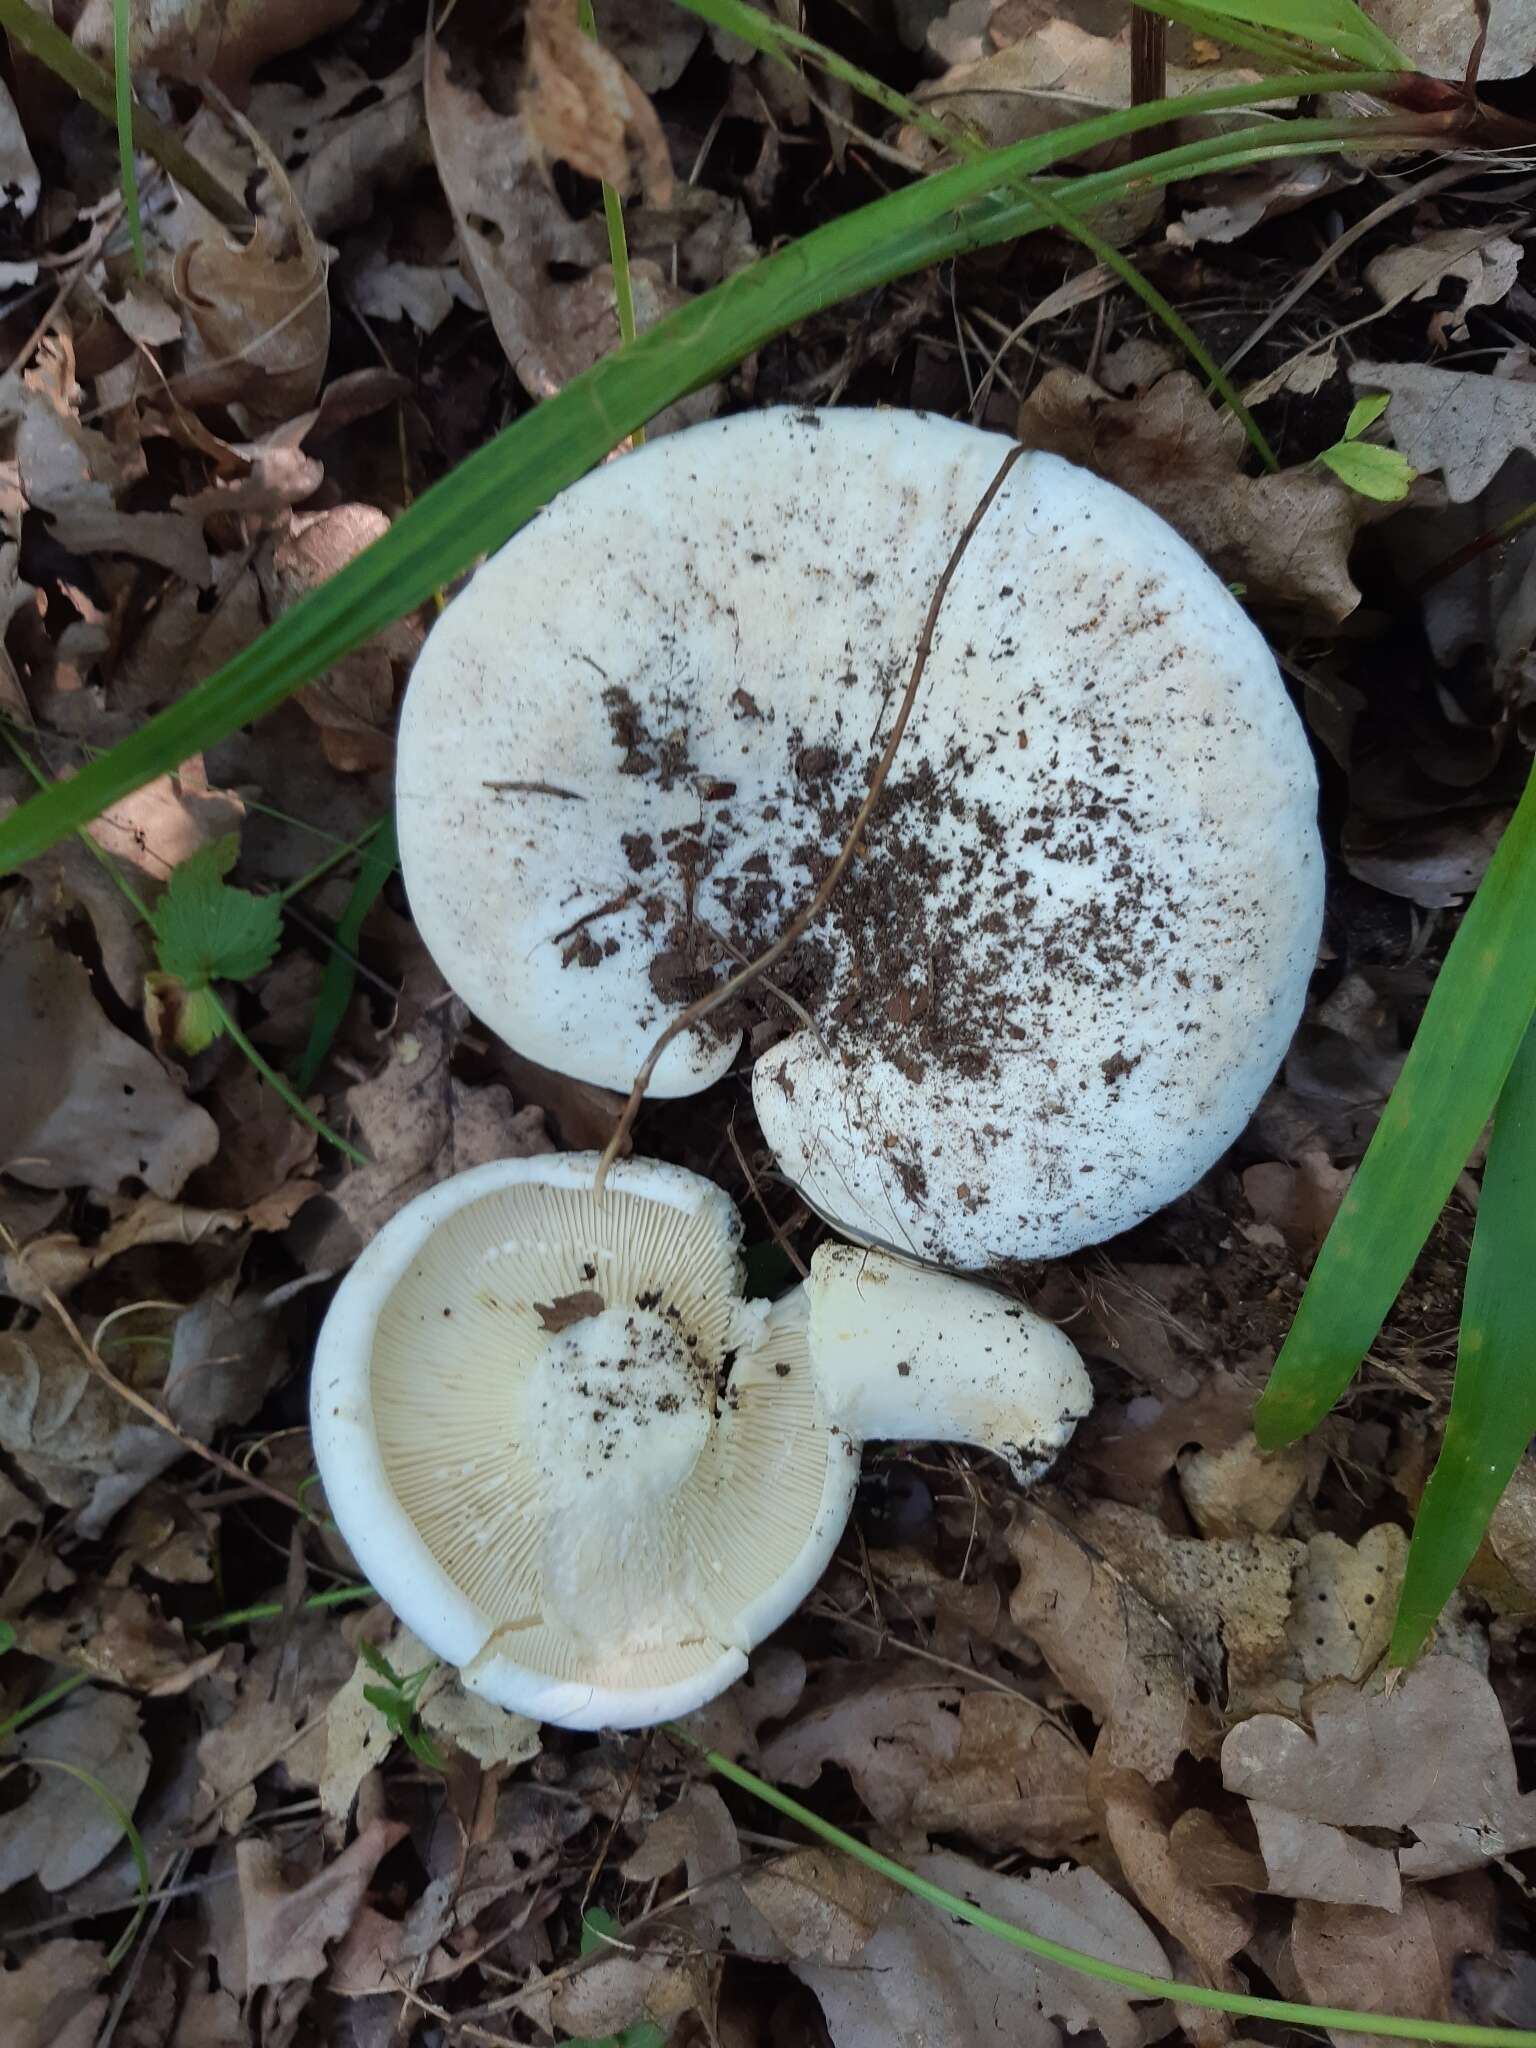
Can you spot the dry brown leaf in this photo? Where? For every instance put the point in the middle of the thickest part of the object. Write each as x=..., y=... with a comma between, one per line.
x=74, y=476
x=1464, y=425
x=1242, y=1491
x=51, y=2000
x=1212, y=1925
x=423, y=293
x=63, y=1830
x=118, y=1634
x=770, y=1691
x=1299, y=1201
x=253, y=1716
x=934, y=1757
x=1109, y=1648
x=225, y=40
x=97, y=1108
x=418, y=1124
x=621, y=1990
x=1485, y=262
x=652, y=39
x=342, y=135
x=493, y=1737
x=1432, y=1756
x=582, y=107
x=1229, y=1600
x=1308, y=1859
x=1385, y=1962
x=822, y=1907
x=924, y=1978
x=258, y=312
x=1131, y=1446
x=1434, y=862
x=1345, y=1598
x=60, y=1261
x=1286, y=538
x=288, y=1925
x=698, y=1836
x=58, y=1420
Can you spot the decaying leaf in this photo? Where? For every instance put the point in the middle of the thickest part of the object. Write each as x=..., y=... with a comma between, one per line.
x=1285, y=538
x=1300, y=1201
x=1108, y=1645
x=1212, y=1925
x=1431, y=1756
x=288, y=1924
x=1242, y=1491
x=118, y=1634
x=1389, y=1962
x=924, y=1978
x=1485, y=263
x=97, y=1108
x=225, y=40
x=58, y=1419
x=822, y=1907
x=1345, y=1598
x=51, y=2000
x=582, y=106
x=941, y=1759
x=1464, y=425
x=64, y=1828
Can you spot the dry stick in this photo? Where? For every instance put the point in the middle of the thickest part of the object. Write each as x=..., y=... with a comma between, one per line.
x=798, y=925
x=1149, y=75
x=143, y=1404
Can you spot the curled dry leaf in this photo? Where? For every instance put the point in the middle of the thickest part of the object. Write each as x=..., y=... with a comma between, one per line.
x=1464, y=425
x=1109, y=1647
x=1242, y=1491
x=61, y=1262
x=1298, y=1202
x=1286, y=538
x=1434, y=862
x=288, y=1923
x=1212, y=1925
x=64, y=1829
x=97, y=1109
x=582, y=107
x=1431, y=1756
x=225, y=40
x=258, y=312
x=1485, y=263
x=51, y=2000
x=1131, y=1446
x=923, y=1977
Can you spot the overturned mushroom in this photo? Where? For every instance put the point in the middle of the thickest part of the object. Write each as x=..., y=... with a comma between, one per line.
x=1075, y=940
x=585, y=1470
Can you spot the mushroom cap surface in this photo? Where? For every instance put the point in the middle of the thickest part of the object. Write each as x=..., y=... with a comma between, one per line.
x=1067, y=960
x=514, y=1407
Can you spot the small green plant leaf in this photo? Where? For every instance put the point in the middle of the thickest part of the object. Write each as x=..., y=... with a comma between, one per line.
x=1365, y=412
x=1379, y=473
x=208, y=930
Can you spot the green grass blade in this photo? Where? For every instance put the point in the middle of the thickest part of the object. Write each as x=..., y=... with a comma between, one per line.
x=771, y=35
x=124, y=1820
x=1137, y=1982
x=122, y=96
x=379, y=863
x=499, y=488
x=1493, y=1407
x=1323, y=26
x=1477, y=1015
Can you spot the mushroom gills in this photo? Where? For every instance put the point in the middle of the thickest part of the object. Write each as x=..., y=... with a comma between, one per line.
x=899, y=1350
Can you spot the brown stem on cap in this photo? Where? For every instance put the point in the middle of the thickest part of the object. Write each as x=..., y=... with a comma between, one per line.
x=803, y=919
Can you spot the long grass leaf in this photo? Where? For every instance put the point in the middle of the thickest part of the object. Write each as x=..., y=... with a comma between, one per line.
x=499, y=488
x=341, y=969
x=1138, y=1982
x=122, y=99
x=1324, y=26
x=1462, y=1053
x=1493, y=1405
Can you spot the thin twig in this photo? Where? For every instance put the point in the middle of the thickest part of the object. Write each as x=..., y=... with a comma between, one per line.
x=772, y=1221
x=142, y=1403
x=798, y=925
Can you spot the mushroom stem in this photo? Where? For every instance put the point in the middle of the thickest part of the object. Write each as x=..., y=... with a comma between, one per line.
x=898, y=1350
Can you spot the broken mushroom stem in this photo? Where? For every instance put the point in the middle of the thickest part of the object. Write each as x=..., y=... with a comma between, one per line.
x=804, y=918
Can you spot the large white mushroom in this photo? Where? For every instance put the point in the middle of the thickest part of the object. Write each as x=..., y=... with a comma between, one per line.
x=1068, y=957
x=584, y=1469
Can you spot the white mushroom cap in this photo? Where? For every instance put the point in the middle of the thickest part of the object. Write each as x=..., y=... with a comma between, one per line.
x=584, y=1470
x=1052, y=987
x=514, y=1408
x=901, y=1351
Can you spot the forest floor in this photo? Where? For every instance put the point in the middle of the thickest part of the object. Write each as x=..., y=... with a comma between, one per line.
x=1075, y=1706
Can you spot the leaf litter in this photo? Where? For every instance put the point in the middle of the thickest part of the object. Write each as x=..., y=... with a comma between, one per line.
x=1143, y=1710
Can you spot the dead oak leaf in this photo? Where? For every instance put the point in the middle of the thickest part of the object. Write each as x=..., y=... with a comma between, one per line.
x=1432, y=1756
x=1285, y=537
x=225, y=40
x=1212, y=1925
x=288, y=1924
x=582, y=106
x=924, y=1977
x=1462, y=424
x=97, y=1108
x=118, y=1634
x=51, y=2001
x=1485, y=263
x=1387, y=1962
x=64, y=1829
x=1109, y=1646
